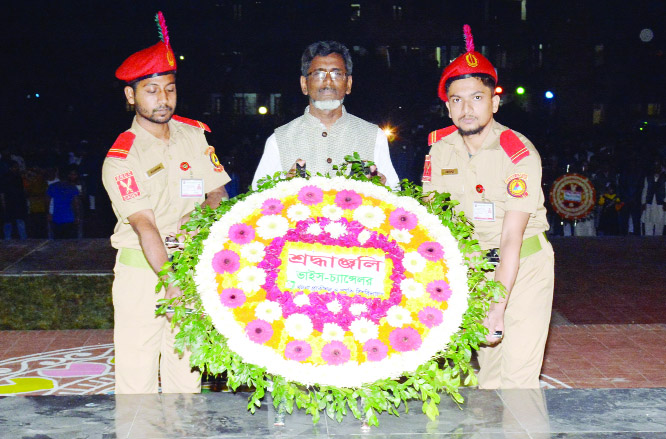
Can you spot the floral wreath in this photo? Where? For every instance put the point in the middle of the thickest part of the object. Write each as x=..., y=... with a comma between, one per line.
x=331, y=291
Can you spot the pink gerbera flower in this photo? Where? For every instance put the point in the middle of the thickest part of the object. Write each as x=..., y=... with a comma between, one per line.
x=310, y=195
x=226, y=261
x=232, y=297
x=272, y=206
x=375, y=350
x=335, y=353
x=432, y=251
x=259, y=331
x=347, y=199
x=439, y=290
x=402, y=219
x=298, y=350
x=241, y=233
x=430, y=316
x=405, y=339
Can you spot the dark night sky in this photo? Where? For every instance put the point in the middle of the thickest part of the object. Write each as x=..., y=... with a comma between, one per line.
x=68, y=50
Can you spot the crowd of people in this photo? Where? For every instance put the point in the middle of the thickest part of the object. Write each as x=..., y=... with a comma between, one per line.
x=629, y=179
x=628, y=173
x=50, y=194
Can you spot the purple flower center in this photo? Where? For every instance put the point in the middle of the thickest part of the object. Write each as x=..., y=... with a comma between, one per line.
x=298, y=349
x=258, y=330
x=348, y=199
x=336, y=352
x=232, y=297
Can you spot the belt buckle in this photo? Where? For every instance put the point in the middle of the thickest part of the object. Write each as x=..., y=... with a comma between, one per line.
x=493, y=256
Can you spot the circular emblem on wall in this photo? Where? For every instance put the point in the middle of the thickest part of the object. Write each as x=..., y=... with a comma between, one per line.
x=471, y=60
x=572, y=196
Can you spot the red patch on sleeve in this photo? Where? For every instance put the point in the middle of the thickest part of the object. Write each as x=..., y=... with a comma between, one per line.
x=127, y=186
x=121, y=147
x=435, y=136
x=513, y=146
x=192, y=122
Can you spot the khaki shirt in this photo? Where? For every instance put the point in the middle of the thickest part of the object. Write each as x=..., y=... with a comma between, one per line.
x=152, y=177
x=455, y=172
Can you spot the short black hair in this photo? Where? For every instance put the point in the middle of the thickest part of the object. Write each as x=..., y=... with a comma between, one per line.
x=485, y=78
x=325, y=48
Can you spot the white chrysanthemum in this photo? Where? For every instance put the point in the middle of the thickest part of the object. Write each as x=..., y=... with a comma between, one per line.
x=334, y=306
x=364, y=329
x=302, y=300
x=272, y=226
x=358, y=308
x=401, y=235
x=414, y=262
x=298, y=326
x=286, y=188
x=370, y=216
x=336, y=230
x=253, y=252
x=250, y=279
x=298, y=212
x=268, y=311
x=314, y=229
x=332, y=331
x=363, y=237
x=332, y=212
x=411, y=288
x=397, y=316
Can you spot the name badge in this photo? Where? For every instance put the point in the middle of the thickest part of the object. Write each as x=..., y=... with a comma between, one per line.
x=453, y=171
x=154, y=170
x=191, y=188
x=484, y=211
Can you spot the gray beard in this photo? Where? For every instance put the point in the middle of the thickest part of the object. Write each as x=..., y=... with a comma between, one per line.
x=327, y=105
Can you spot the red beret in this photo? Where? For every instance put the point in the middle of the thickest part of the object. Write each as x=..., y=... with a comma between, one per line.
x=155, y=59
x=469, y=62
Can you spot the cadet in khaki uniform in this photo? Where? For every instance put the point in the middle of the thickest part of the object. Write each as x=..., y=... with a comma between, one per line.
x=495, y=174
x=155, y=174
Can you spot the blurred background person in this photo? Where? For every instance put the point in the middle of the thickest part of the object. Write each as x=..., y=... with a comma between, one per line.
x=66, y=204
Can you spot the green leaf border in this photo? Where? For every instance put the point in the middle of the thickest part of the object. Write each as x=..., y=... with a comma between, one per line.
x=445, y=372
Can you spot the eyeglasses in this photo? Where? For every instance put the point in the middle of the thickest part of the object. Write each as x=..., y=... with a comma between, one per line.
x=320, y=75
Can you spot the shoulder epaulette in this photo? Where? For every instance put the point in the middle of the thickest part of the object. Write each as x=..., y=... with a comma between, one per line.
x=121, y=147
x=513, y=146
x=435, y=136
x=194, y=123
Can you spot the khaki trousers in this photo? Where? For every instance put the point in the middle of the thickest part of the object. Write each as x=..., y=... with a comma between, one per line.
x=515, y=363
x=144, y=342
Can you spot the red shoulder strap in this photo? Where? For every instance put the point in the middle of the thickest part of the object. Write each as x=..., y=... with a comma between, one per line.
x=513, y=146
x=440, y=133
x=194, y=123
x=121, y=147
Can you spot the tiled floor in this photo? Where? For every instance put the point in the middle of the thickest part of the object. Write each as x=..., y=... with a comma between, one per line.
x=606, y=343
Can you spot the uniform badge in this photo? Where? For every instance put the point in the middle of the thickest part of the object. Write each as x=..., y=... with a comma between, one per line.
x=427, y=170
x=214, y=160
x=516, y=185
x=184, y=166
x=471, y=60
x=154, y=170
x=127, y=186
x=452, y=171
